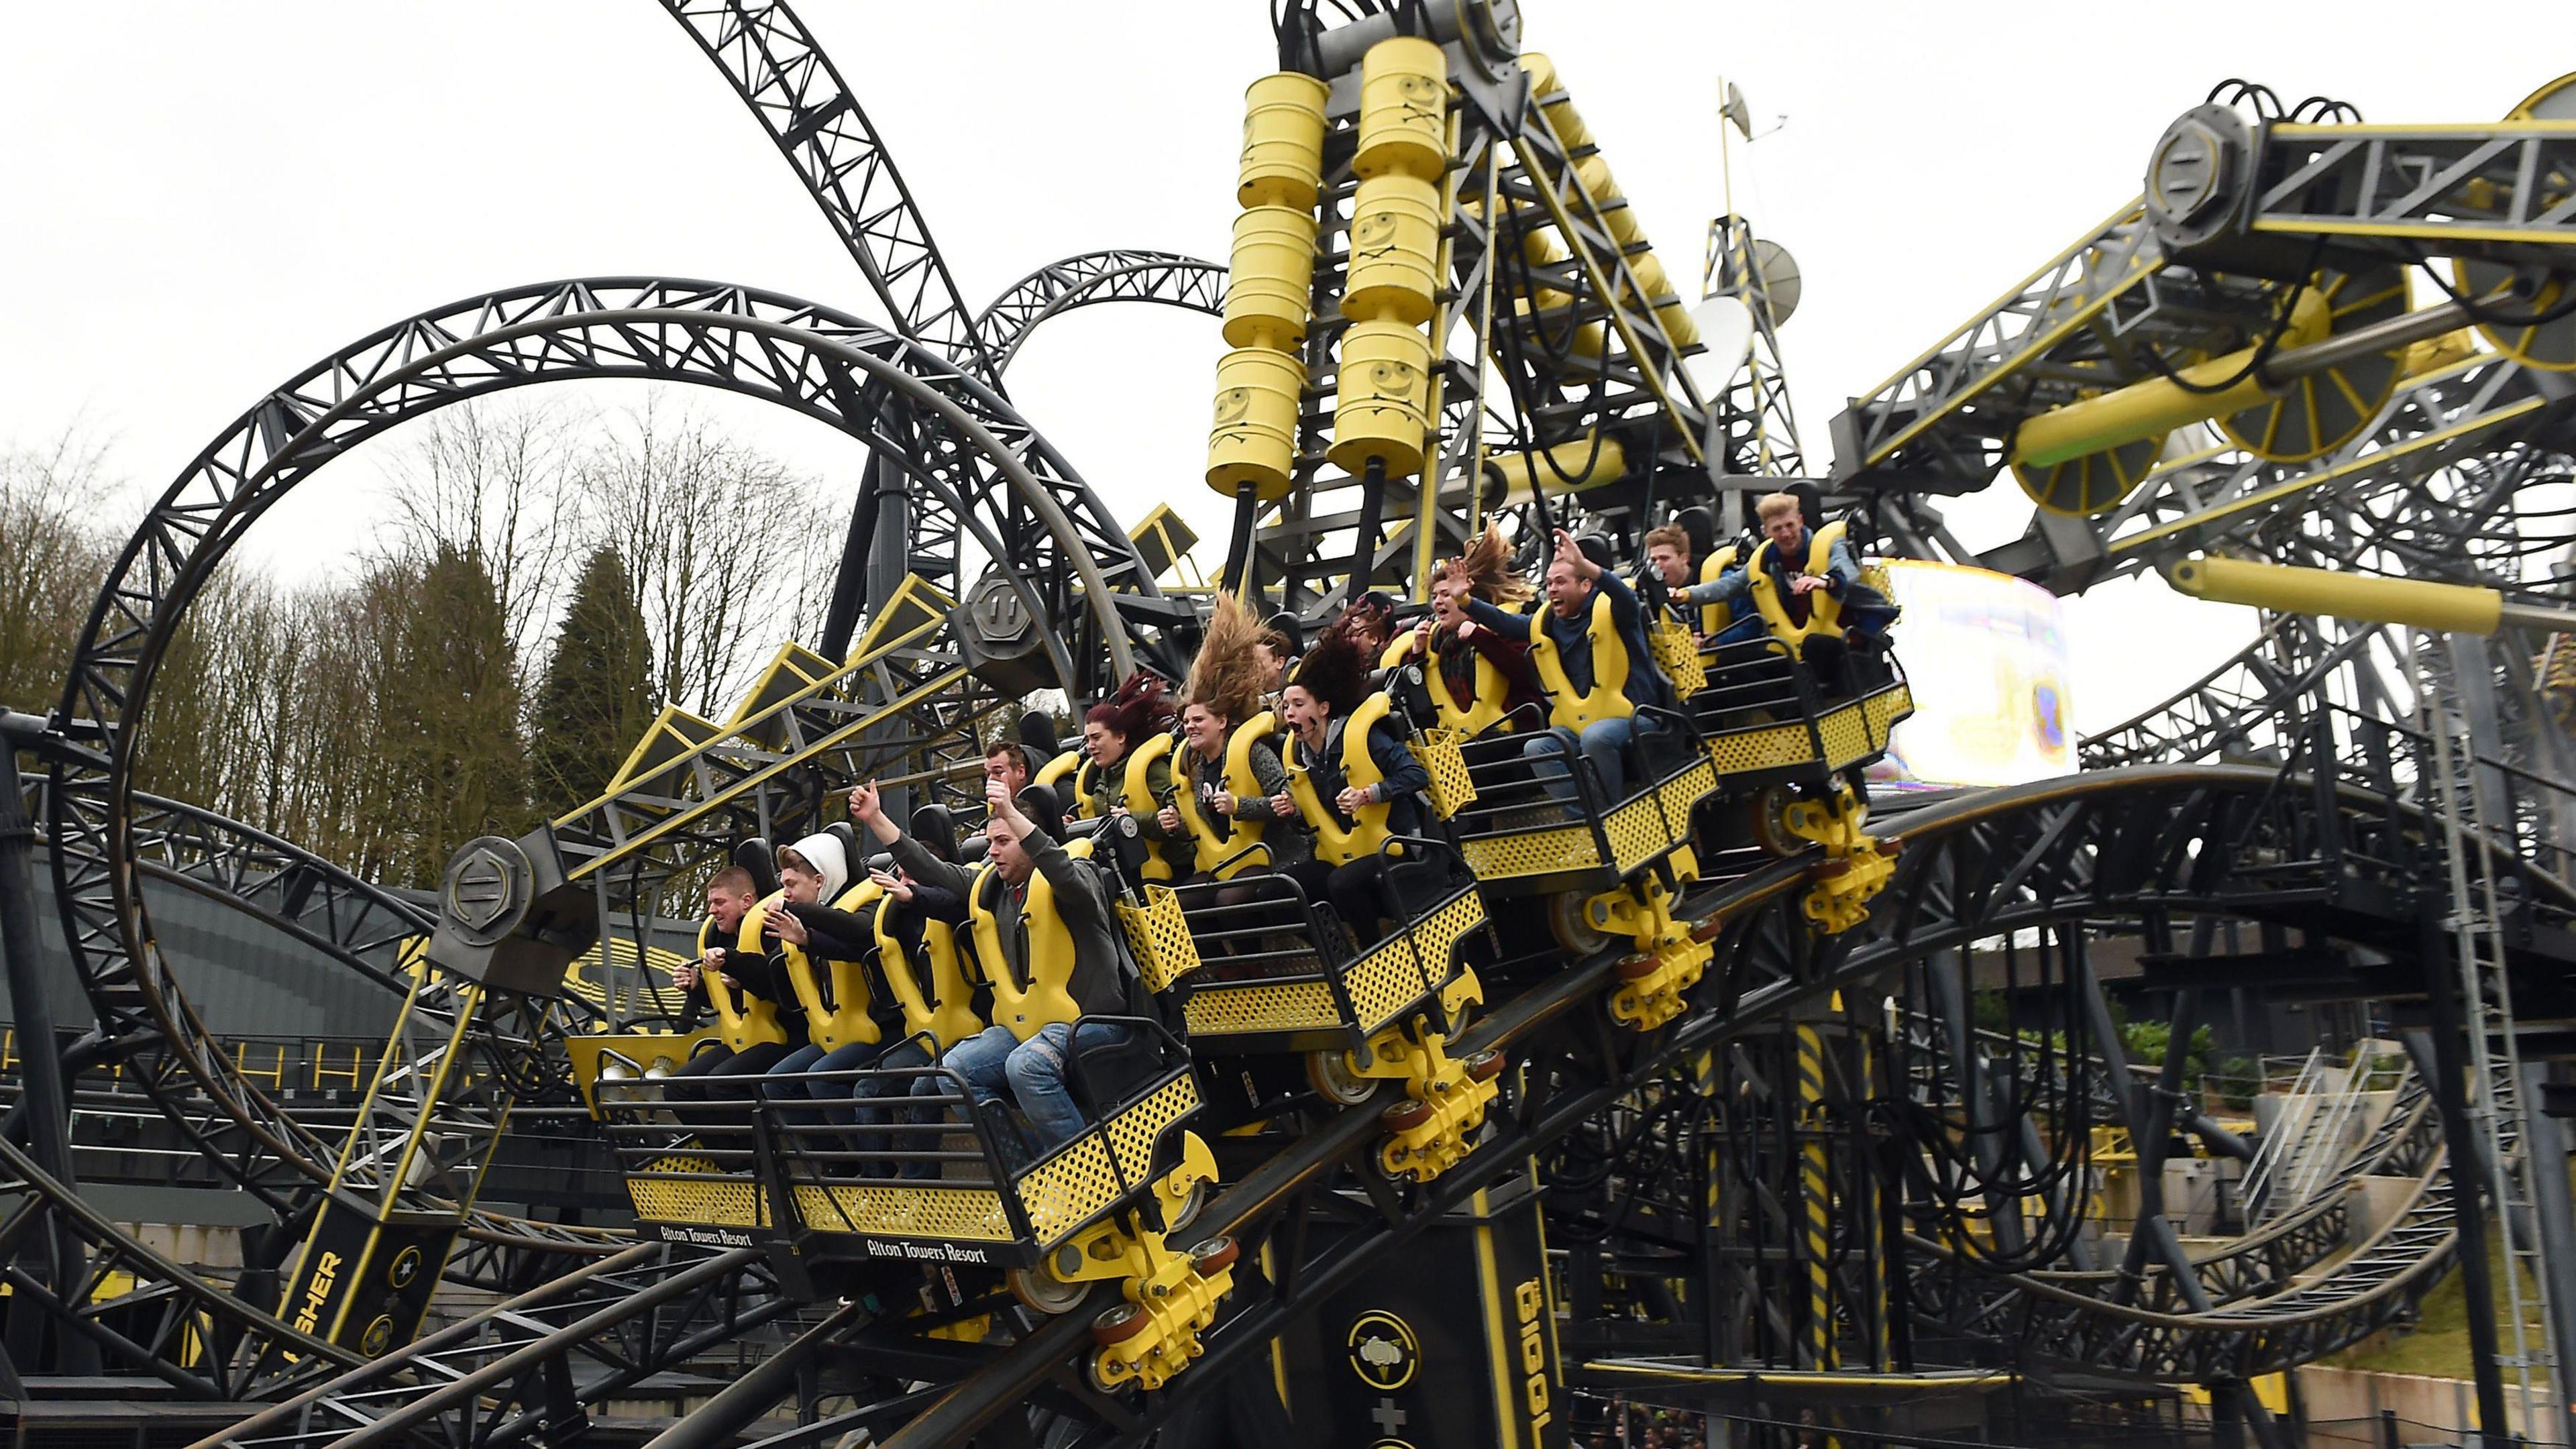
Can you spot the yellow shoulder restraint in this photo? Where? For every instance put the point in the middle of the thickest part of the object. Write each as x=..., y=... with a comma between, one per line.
x=1608, y=698
x=1212, y=845
x=1333, y=843
x=846, y=1020
x=753, y=1021
x=1044, y=999
x=1714, y=617
x=947, y=1011
x=1824, y=610
x=1482, y=708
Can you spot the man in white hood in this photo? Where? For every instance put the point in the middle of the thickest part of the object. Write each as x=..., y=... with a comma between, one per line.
x=812, y=872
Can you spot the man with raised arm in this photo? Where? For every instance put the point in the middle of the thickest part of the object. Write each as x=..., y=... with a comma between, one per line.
x=1048, y=916
x=1591, y=617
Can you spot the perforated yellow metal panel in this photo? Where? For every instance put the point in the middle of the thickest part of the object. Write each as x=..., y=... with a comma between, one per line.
x=1386, y=981
x=1846, y=734
x=1677, y=654
x=1451, y=788
x=1771, y=748
x=1076, y=1184
x=1160, y=936
x=1637, y=830
x=973, y=1213
x=709, y=1200
x=1535, y=852
x=1260, y=1006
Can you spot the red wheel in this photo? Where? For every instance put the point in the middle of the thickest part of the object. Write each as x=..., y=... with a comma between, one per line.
x=1215, y=1256
x=1485, y=1066
x=1405, y=1116
x=1637, y=967
x=1119, y=1323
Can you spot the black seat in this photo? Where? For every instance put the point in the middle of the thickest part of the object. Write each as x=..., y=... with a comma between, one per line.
x=1700, y=524
x=936, y=829
x=761, y=859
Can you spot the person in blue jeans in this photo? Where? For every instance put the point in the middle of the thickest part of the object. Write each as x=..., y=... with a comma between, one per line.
x=828, y=934
x=1584, y=600
x=1075, y=929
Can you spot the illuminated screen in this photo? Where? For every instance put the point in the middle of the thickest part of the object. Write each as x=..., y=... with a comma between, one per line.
x=1986, y=654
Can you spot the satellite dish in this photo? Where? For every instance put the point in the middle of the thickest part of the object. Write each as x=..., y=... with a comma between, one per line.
x=1726, y=333
x=1737, y=111
x=1779, y=277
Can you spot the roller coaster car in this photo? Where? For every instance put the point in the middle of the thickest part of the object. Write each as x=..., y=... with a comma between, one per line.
x=1275, y=999
x=1789, y=755
x=1596, y=868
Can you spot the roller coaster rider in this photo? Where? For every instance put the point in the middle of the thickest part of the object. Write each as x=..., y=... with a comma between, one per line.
x=1044, y=913
x=1237, y=786
x=1128, y=767
x=758, y=1031
x=1803, y=586
x=1589, y=645
x=1480, y=679
x=1352, y=817
x=827, y=934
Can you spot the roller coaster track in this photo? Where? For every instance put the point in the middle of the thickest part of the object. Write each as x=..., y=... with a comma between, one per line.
x=2134, y=845
x=804, y=357
x=2285, y=1322
x=1092, y=278
x=144, y=1313
x=813, y=117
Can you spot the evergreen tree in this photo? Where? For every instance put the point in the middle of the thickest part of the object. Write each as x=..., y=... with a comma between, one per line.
x=452, y=719
x=597, y=695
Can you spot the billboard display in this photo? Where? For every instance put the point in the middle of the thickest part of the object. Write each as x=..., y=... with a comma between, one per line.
x=1986, y=654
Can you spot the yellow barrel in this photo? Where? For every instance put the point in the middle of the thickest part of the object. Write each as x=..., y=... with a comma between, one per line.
x=1268, y=289
x=1395, y=249
x=1679, y=324
x=1255, y=436
x=1569, y=467
x=1283, y=141
x=1385, y=398
x=1593, y=174
x=1561, y=115
x=1404, y=110
x=1650, y=277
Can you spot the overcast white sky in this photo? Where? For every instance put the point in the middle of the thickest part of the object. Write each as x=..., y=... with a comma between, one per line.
x=201, y=200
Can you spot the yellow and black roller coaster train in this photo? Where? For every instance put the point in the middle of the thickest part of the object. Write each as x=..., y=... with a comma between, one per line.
x=1255, y=1012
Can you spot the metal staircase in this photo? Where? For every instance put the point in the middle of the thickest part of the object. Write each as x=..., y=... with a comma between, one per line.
x=2462, y=799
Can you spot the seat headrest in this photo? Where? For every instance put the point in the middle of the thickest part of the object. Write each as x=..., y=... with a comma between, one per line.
x=936, y=829
x=1037, y=732
x=1044, y=809
x=1597, y=548
x=761, y=859
x=1700, y=523
x=1811, y=502
x=1290, y=625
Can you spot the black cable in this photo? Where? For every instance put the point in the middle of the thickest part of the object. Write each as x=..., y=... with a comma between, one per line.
x=2479, y=312
x=2263, y=350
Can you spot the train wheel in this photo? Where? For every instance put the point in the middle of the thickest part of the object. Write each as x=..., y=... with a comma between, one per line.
x=1118, y=1323
x=1771, y=822
x=1215, y=1256
x=1485, y=1066
x=1405, y=1116
x=1571, y=923
x=1182, y=1216
x=1330, y=1074
x=1040, y=1291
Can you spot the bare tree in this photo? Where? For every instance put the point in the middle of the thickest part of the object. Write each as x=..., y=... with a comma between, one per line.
x=731, y=549
x=495, y=480
x=51, y=566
